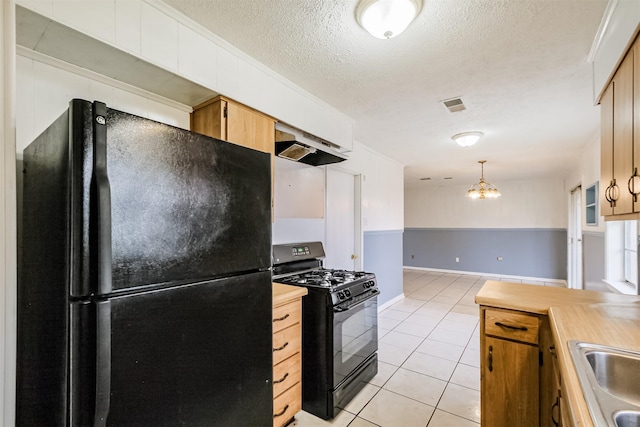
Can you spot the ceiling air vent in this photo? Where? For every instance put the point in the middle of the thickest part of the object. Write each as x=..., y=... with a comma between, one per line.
x=454, y=105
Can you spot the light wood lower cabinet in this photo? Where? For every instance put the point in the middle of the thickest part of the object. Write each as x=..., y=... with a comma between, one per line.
x=287, y=360
x=516, y=386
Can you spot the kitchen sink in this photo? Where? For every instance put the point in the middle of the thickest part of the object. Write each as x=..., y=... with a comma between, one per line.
x=610, y=381
x=627, y=419
x=617, y=372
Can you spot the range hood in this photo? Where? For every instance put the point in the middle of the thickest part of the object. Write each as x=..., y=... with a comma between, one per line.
x=299, y=146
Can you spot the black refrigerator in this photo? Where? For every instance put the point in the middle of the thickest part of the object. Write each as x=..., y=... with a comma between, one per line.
x=144, y=289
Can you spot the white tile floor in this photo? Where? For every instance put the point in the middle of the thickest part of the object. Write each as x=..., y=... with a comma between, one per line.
x=429, y=358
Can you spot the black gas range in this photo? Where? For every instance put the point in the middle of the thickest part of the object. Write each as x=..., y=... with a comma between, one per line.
x=339, y=326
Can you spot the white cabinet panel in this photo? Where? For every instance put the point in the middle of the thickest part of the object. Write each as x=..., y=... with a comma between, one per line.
x=159, y=37
x=43, y=7
x=95, y=18
x=197, y=57
x=128, y=25
x=228, y=74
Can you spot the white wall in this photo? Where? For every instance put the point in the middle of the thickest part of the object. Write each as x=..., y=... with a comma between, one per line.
x=7, y=213
x=586, y=174
x=382, y=188
x=382, y=196
x=524, y=204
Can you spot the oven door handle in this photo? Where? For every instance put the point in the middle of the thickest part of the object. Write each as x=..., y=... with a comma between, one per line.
x=340, y=309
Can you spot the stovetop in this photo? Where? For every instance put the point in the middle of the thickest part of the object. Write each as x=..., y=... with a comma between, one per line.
x=300, y=264
x=325, y=278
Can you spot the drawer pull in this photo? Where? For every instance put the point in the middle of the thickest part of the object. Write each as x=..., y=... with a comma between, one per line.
x=281, y=347
x=281, y=412
x=515, y=328
x=281, y=379
x=281, y=318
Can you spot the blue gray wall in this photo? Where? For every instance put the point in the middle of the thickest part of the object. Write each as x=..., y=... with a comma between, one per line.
x=530, y=252
x=383, y=256
x=593, y=259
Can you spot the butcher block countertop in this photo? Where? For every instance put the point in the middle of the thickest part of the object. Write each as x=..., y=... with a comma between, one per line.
x=594, y=317
x=283, y=293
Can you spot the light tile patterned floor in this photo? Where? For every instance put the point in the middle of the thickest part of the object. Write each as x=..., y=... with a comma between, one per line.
x=429, y=358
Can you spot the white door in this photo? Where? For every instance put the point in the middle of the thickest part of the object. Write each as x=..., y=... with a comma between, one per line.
x=575, y=240
x=340, y=218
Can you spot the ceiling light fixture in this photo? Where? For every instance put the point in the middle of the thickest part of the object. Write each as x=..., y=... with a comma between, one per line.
x=386, y=19
x=467, y=139
x=483, y=189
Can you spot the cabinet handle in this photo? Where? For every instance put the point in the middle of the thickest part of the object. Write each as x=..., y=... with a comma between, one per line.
x=490, y=358
x=606, y=194
x=281, y=318
x=556, y=404
x=281, y=348
x=632, y=180
x=515, y=328
x=281, y=412
x=281, y=379
x=614, y=193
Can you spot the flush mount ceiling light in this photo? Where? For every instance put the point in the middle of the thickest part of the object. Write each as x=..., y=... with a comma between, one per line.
x=467, y=139
x=483, y=189
x=386, y=19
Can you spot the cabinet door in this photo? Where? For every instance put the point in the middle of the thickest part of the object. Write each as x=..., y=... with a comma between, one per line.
x=606, y=150
x=250, y=129
x=623, y=135
x=636, y=124
x=209, y=120
x=509, y=384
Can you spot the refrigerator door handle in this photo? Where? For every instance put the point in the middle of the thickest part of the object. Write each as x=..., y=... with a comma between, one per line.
x=103, y=363
x=102, y=199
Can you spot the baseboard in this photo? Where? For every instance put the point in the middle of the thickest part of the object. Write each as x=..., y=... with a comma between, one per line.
x=390, y=302
x=475, y=273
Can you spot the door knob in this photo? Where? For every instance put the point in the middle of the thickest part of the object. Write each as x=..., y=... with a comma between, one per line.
x=354, y=256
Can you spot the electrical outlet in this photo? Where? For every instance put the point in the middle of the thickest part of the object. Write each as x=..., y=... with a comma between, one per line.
x=457, y=259
x=499, y=258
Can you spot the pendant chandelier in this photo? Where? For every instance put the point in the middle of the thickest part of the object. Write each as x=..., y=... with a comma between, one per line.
x=483, y=189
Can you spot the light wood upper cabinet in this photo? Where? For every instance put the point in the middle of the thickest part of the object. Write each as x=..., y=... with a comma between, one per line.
x=228, y=120
x=623, y=135
x=620, y=141
x=606, y=151
x=636, y=120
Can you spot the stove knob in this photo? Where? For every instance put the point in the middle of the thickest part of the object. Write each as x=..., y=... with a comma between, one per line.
x=340, y=295
x=347, y=293
x=367, y=285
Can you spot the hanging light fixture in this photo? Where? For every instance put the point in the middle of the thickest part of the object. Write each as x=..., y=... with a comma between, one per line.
x=467, y=139
x=483, y=189
x=386, y=19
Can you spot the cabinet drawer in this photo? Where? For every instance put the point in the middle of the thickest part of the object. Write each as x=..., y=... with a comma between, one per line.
x=286, y=315
x=286, y=343
x=511, y=325
x=287, y=405
x=286, y=374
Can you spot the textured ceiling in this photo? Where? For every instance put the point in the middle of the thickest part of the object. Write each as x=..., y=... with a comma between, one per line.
x=519, y=65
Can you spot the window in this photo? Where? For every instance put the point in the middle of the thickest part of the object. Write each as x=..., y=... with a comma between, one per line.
x=631, y=252
x=621, y=253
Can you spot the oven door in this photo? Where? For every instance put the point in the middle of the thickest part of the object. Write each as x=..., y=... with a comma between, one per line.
x=355, y=337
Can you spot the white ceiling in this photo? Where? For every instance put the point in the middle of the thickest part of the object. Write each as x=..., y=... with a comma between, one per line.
x=519, y=66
